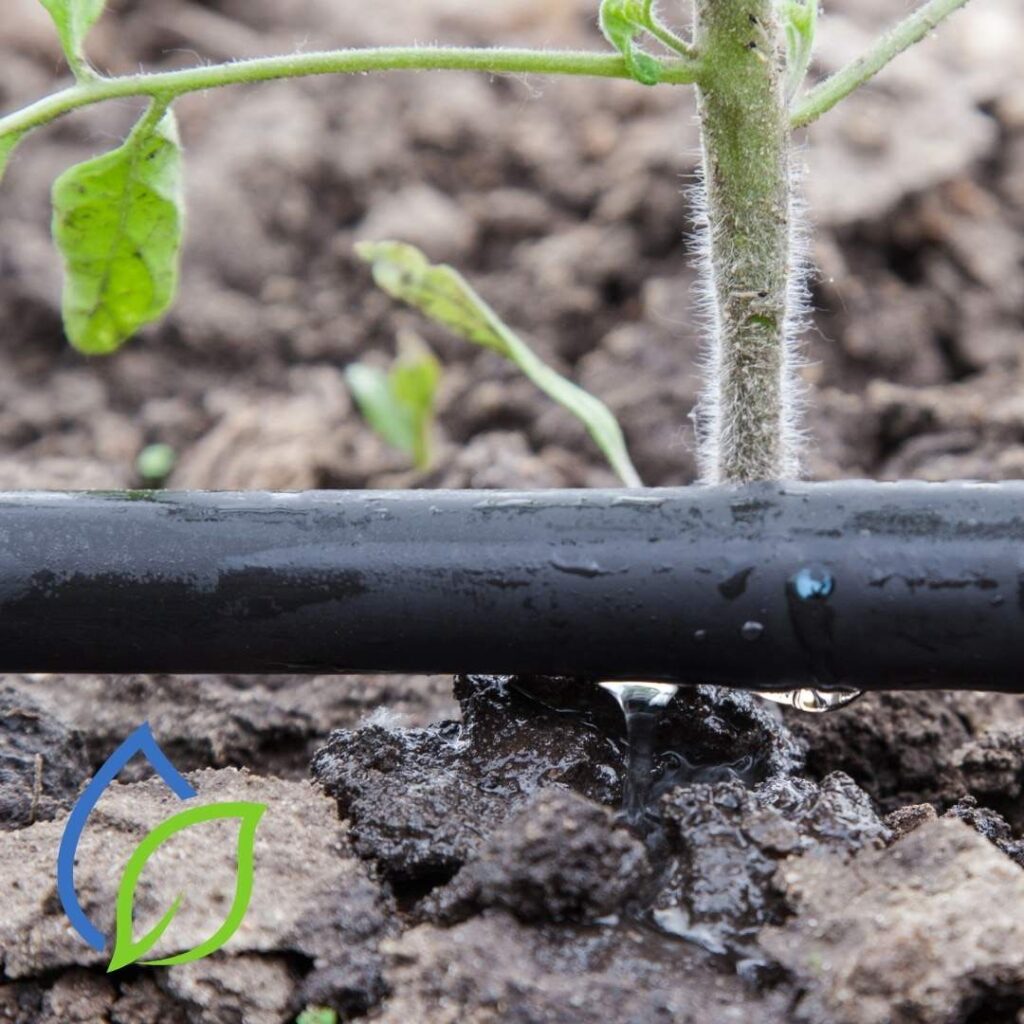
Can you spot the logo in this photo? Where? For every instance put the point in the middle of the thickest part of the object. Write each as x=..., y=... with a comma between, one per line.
x=127, y=949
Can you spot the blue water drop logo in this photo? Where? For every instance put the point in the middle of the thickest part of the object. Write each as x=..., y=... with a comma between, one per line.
x=142, y=742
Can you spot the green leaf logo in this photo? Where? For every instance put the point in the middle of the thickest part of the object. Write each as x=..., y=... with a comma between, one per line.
x=129, y=951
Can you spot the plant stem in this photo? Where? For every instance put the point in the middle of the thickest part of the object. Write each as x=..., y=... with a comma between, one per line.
x=168, y=85
x=745, y=424
x=911, y=30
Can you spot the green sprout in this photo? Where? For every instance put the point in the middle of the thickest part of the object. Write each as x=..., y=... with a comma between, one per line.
x=155, y=463
x=399, y=403
x=317, y=1015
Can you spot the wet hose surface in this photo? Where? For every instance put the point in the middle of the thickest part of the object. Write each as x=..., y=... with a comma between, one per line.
x=866, y=585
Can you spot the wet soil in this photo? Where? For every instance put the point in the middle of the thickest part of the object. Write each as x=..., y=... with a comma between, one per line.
x=465, y=861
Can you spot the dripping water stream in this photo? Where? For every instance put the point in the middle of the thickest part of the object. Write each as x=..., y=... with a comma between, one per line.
x=642, y=704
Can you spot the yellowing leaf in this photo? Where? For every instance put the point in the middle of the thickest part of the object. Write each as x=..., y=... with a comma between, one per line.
x=117, y=221
x=444, y=295
x=128, y=950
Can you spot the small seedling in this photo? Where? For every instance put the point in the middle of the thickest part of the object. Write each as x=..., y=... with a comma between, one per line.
x=155, y=463
x=118, y=218
x=444, y=295
x=399, y=403
x=317, y=1015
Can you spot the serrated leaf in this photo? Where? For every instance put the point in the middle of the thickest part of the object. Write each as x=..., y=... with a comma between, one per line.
x=117, y=221
x=128, y=950
x=623, y=22
x=444, y=295
x=399, y=404
x=74, y=19
x=8, y=143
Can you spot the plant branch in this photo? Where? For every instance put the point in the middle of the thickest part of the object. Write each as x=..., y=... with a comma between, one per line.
x=664, y=34
x=911, y=30
x=167, y=86
x=670, y=40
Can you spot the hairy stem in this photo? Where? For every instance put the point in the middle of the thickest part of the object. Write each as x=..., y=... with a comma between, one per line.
x=168, y=85
x=911, y=30
x=744, y=420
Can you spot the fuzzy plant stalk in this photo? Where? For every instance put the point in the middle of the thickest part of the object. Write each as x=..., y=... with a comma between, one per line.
x=747, y=419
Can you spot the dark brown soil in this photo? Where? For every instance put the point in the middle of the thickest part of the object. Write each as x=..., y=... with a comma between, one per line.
x=482, y=874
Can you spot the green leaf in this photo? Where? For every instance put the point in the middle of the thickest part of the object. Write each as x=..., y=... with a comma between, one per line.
x=444, y=295
x=623, y=22
x=73, y=19
x=800, y=21
x=129, y=951
x=117, y=221
x=399, y=404
x=8, y=143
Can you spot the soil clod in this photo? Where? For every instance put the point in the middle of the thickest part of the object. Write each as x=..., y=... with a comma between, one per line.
x=42, y=762
x=928, y=929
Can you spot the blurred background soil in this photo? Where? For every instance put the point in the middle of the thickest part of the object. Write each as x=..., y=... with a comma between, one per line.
x=565, y=204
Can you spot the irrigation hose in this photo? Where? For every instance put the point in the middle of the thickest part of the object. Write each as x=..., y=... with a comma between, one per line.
x=865, y=585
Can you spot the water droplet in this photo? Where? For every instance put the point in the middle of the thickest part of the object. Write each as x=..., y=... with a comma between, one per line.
x=752, y=631
x=810, y=583
x=588, y=569
x=642, y=704
x=637, y=501
x=497, y=504
x=676, y=921
x=814, y=702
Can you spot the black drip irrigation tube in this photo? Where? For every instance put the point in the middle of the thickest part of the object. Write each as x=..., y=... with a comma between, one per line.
x=864, y=585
